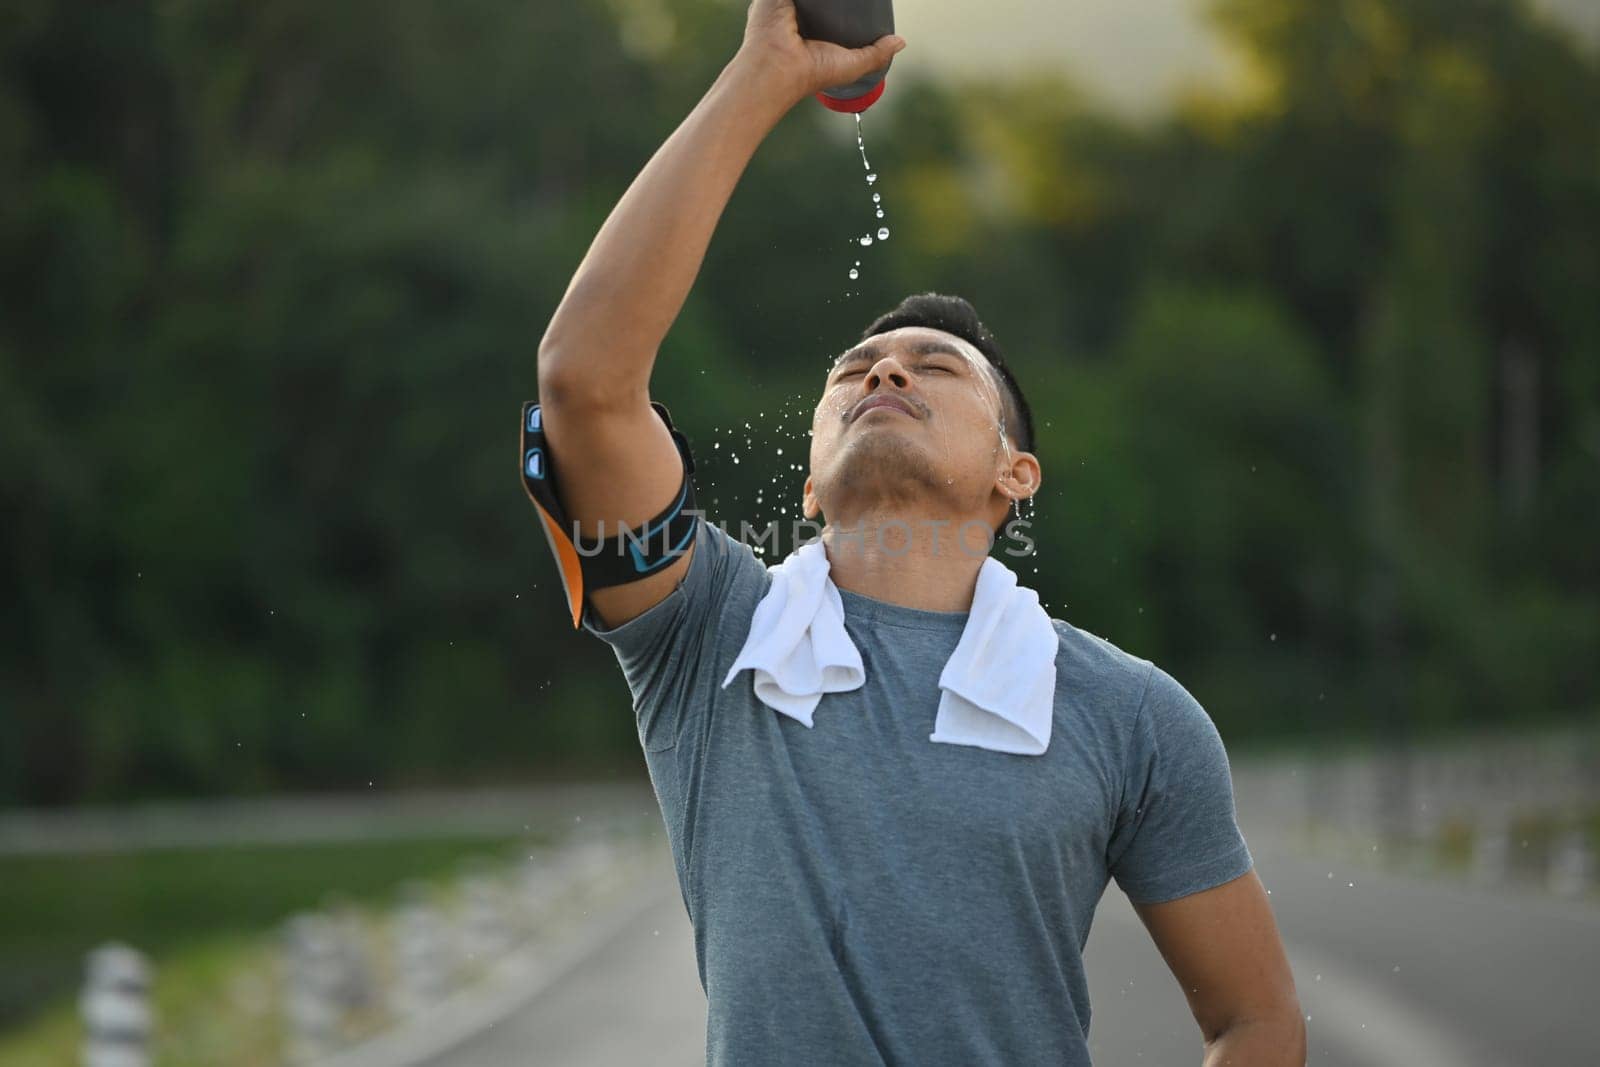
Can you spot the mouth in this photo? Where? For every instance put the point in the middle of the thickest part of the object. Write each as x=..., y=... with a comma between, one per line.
x=883, y=401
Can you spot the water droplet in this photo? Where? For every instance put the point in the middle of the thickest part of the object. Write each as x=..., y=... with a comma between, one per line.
x=876, y=197
x=883, y=233
x=854, y=274
x=867, y=240
x=871, y=178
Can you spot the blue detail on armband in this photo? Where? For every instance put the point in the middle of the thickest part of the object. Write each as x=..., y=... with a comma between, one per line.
x=533, y=463
x=535, y=419
x=639, y=563
x=641, y=566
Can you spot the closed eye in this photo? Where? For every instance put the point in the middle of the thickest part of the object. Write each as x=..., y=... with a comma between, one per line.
x=842, y=375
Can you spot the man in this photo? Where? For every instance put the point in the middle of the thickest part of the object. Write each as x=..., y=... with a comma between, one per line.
x=860, y=894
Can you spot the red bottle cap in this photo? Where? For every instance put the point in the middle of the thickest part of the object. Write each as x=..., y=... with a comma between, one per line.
x=860, y=103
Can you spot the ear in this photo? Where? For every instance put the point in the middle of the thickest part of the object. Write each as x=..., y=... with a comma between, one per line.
x=810, y=507
x=1021, y=480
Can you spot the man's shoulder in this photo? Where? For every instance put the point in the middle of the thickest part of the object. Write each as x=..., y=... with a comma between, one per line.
x=1122, y=690
x=1087, y=662
x=730, y=551
x=739, y=578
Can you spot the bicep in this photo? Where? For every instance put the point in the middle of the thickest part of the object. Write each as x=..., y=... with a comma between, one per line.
x=616, y=464
x=1223, y=947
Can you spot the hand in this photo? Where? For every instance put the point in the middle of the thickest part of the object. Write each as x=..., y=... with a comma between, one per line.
x=774, y=52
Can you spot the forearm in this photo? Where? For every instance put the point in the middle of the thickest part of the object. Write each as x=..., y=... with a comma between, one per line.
x=638, y=271
x=1275, y=1042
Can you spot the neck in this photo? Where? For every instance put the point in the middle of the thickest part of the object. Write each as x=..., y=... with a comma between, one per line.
x=916, y=561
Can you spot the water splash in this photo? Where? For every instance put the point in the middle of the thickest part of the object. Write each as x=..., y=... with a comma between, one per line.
x=866, y=239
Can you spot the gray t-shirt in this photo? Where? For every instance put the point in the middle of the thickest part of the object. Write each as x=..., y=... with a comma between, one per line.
x=863, y=895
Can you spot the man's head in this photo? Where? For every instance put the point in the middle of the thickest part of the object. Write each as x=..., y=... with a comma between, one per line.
x=962, y=446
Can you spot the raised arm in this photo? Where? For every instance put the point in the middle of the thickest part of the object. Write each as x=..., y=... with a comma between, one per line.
x=613, y=457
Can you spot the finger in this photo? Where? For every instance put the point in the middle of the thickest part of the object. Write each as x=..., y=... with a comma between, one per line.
x=851, y=63
x=880, y=51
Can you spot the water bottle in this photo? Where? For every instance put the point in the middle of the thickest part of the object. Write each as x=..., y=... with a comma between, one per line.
x=853, y=24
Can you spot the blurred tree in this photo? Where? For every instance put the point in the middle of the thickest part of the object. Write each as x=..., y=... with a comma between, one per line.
x=274, y=276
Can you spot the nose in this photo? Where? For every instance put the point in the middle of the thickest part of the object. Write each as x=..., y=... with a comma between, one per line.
x=888, y=367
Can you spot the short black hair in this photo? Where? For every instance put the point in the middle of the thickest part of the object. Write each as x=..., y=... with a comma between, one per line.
x=954, y=315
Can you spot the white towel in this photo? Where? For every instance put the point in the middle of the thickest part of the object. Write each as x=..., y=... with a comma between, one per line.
x=997, y=689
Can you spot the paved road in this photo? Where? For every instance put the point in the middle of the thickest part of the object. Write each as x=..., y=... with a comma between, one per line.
x=635, y=1000
x=1392, y=971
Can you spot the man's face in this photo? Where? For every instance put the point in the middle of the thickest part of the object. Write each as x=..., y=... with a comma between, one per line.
x=910, y=418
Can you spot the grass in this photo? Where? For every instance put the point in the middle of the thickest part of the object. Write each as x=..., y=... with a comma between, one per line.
x=206, y=917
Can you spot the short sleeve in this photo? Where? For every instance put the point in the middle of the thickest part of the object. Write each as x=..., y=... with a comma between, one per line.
x=1177, y=830
x=665, y=651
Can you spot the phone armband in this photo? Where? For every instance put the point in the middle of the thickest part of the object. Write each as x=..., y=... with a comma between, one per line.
x=628, y=555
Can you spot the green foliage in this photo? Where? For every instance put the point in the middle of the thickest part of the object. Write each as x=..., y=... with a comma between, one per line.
x=274, y=277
